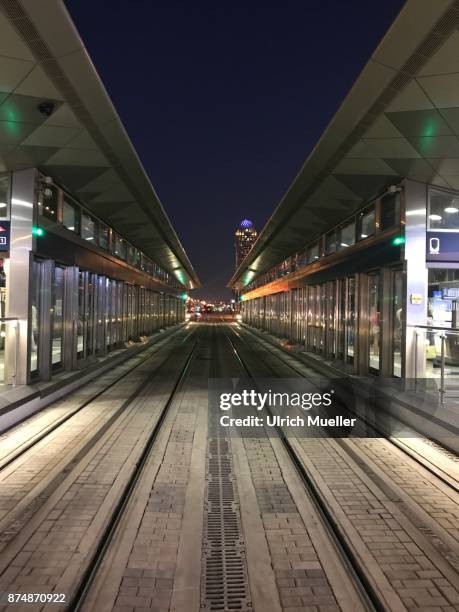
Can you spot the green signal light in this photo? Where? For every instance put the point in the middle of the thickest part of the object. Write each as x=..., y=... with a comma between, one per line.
x=184, y=296
x=242, y=298
x=398, y=240
x=38, y=231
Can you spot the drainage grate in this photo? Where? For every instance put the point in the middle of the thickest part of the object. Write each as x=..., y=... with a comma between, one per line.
x=224, y=570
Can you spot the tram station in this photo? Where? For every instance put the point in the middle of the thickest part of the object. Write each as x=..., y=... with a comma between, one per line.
x=293, y=451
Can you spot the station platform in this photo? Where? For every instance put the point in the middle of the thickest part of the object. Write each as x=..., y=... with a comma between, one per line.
x=125, y=497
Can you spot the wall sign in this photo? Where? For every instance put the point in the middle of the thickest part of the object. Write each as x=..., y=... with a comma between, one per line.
x=442, y=246
x=416, y=298
x=4, y=235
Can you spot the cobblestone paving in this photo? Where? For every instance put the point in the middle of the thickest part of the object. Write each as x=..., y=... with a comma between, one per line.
x=301, y=580
x=44, y=465
x=415, y=577
x=441, y=506
x=60, y=544
x=148, y=578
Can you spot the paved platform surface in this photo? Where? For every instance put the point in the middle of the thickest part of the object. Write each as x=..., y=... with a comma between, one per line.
x=127, y=498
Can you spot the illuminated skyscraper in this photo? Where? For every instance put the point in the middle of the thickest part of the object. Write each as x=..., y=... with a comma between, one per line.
x=244, y=239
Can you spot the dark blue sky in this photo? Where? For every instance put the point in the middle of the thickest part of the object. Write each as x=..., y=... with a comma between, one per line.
x=224, y=100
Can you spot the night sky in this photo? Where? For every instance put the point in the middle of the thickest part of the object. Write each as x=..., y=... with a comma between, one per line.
x=224, y=100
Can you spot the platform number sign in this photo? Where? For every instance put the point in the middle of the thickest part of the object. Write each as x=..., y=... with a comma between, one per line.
x=4, y=235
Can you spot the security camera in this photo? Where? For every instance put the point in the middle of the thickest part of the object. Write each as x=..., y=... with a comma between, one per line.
x=48, y=193
x=46, y=108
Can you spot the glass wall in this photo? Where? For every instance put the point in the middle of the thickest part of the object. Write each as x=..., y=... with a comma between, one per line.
x=4, y=195
x=443, y=213
x=70, y=216
x=57, y=319
x=398, y=291
x=110, y=314
x=366, y=223
x=374, y=314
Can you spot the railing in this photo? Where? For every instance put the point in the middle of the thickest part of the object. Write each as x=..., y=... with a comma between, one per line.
x=6, y=324
x=448, y=341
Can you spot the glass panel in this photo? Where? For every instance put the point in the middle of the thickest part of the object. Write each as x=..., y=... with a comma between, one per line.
x=70, y=216
x=58, y=317
x=49, y=206
x=81, y=312
x=330, y=243
x=398, y=318
x=89, y=315
x=374, y=320
x=104, y=236
x=366, y=224
x=119, y=247
x=35, y=316
x=346, y=236
x=443, y=210
x=341, y=317
x=350, y=320
x=88, y=227
x=313, y=253
x=4, y=194
x=390, y=211
x=331, y=337
x=443, y=314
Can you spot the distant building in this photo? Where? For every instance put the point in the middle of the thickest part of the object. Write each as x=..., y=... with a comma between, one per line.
x=244, y=239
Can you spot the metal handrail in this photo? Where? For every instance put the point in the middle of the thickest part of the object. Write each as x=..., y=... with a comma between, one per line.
x=432, y=327
x=445, y=331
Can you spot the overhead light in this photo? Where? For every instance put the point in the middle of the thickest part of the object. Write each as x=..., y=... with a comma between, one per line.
x=363, y=235
x=435, y=217
x=71, y=228
x=343, y=244
x=448, y=209
x=90, y=238
x=416, y=211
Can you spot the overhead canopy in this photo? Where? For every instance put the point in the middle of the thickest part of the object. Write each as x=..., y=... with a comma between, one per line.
x=400, y=119
x=82, y=144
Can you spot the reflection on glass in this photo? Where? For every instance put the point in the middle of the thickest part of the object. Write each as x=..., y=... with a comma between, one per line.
x=4, y=194
x=70, y=216
x=443, y=317
x=350, y=320
x=366, y=224
x=397, y=317
x=34, y=316
x=346, y=236
x=81, y=313
x=313, y=253
x=390, y=211
x=443, y=210
x=104, y=236
x=57, y=318
x=88, y=228
x=330, y=243
x=49, y=202
x=374, y=337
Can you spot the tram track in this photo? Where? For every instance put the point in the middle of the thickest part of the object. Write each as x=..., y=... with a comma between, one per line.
x=34, y=440
x=423, y=483
x=440, y=544
x=87, y=579
x=435, y=470
x=37, y=495
x=370, y=599
x=117, y=494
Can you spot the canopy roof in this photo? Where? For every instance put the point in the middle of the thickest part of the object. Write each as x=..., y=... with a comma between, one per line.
x=82, y=144
x=399, y=120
